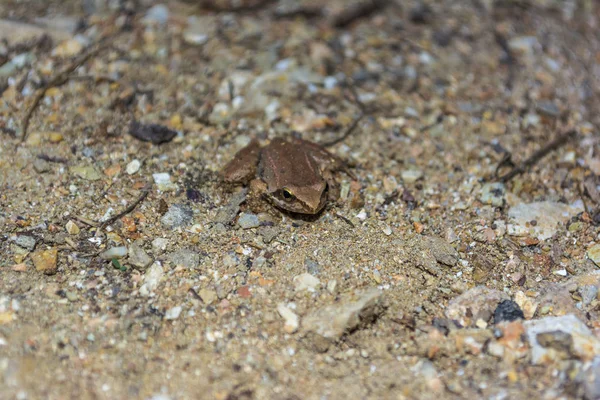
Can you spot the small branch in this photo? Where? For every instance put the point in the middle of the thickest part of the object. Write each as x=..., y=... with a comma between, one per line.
x=535, y=157
x=355, y=12
x=349, y=130
x=59, y=79
x=129, y=209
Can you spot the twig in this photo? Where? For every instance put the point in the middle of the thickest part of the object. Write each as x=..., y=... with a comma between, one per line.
x=52, y=159
x=129, y=209
x=361, y=10
x=346, y=220
x=85, y=220
x=535, y=157
x=349, y=130
x=59, y=79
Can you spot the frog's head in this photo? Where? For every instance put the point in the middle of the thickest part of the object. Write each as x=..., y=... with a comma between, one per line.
x=307, y=199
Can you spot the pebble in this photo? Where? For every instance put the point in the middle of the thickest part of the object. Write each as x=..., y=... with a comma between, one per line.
x=159, y=245
x=411, y=175
x=185, y=258
x=138, y=256
x=72, y=228
x=173, y=313
x=442, y=251
x=479, y=302
x=45, y=261
x=158, y=14
x=87, y=172
x=591, y=380
x=312, y=267
x=493, y=194
x=178, y=215
x=588, y=293
x=198, y=30
x=551, y=336
x=307, y=282
x=114, y=252
x=208, y=296
x=292, y=321
x=133, y=167
x=41, y=166
x=225, y=215
x=248, y=221
x=152, y=279
x=523, y=44
x=548, y=216
x=163, y=182
x=268, y=233
x=326, y=325
x=68, y=48
x=507, y=310
x=25, y=241
x=593, y=254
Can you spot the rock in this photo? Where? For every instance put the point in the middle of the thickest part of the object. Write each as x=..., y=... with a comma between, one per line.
x=133, y=167
x=152, y=279
x=158, y=14
x=476, y=303
x=540, y=219
x=138, y=256
x=248, y=221
x=411, y=175
x=593, y=254
x=306, y=281
x=226, y=214
x=327, y=325
x=72, y=228
x=552, y=338
x=268, y=233
x=173, y=313
x=591, y=380
x=199, y=30
x=163, y=182
x=557, y=300
x=208, y=296
x=25, y=241
x=114, y=252
x=292, y=321
x=178, y=215
x=312, y=267
x=159, y=245
x=524, y=45
x=588, y=293
x=507, y=310
x=185, y=258
x=68, y=48
x=493, y=194
x=87, y=172
x=41, y=166
x=45, y=261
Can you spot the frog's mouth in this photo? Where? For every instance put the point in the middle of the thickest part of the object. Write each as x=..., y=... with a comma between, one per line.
x=297, y=201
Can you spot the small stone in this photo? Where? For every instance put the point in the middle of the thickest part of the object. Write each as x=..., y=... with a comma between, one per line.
x=524, y=45
x=138, y=256
x=268, y=233
x=68, y=48
x=198, y=30
x=248, y=221
x=495, y=349
x=588, y=293
x=134, y=166
x=158, y=14
x=332, y=287
x=152, y=279
x=307, y=282
x=411, y=175
x=45, y=261
x=25, y=241
x=87, y=172
x=292, y=321
x=71, y=295
x=474, y=302
x=593, y=254
x=55, y=137
x=327, y=325
x=173, y=313
x=186, y=258
x=41, y=166
x=114, y=252
x=178, y=215
x=507, y=310
x=312, y=267
x=208, y=296
x=163, y=182
x=159, y=245
x=548, y=217
x=72, y=228
x=564, y=334
x=493, y=194
x=591, y=380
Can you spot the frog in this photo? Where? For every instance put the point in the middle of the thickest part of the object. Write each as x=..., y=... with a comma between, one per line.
x=294, y=175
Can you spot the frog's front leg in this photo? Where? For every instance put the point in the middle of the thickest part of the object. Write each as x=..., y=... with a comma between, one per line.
x=243, y=167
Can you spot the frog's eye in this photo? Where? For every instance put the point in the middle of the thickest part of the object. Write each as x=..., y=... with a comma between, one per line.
x=287, y=194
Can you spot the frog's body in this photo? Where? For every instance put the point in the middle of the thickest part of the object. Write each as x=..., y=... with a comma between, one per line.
x=294, y=175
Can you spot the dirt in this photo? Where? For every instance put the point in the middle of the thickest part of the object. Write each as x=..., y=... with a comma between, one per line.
x=445, y=92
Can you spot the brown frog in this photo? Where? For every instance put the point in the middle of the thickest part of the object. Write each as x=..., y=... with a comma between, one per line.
x=294, y=175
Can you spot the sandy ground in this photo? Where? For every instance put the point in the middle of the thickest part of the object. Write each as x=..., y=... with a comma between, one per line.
x=431, y=277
